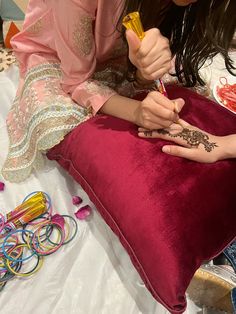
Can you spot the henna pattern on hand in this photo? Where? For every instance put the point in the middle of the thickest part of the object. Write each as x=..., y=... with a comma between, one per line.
x=192, y=137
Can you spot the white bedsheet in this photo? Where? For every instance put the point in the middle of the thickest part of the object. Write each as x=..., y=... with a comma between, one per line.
x=93, y=274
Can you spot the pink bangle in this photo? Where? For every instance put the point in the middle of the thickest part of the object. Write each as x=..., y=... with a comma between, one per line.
x=57, y=246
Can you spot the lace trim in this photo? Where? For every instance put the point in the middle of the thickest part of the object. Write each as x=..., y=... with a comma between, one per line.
x=55, y=110
x=19, y=166
x=21, y=147
x=39, y=73
x=41, y=115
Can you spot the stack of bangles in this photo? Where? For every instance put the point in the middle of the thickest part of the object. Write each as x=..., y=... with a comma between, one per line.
x=22, y=250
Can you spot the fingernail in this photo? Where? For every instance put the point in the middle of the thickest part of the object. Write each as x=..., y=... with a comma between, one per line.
x=177, y=108
x=179, y=105
x=166, y=149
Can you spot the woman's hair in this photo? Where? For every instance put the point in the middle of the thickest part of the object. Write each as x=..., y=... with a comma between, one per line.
x=196, y=32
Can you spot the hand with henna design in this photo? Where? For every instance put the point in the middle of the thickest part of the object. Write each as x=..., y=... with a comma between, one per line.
x=193, y=143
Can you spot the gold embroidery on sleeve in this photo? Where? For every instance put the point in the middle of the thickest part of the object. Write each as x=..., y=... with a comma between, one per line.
x=83, y=35
x=35, y=28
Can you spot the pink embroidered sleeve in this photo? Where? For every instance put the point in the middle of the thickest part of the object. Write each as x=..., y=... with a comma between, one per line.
x=75, y=45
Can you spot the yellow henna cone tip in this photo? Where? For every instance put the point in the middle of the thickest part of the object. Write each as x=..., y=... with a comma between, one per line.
x=30, y=209
x=132, y=21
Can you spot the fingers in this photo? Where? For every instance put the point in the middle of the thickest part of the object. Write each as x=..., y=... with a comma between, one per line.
x=152, y=56
x=164, y=134
x=184, y=151
x=156, y=68
x=160, y=99
x=172, y=130
x=152, y=126
x=155, y=64
x=154, y=123
x=179, y=103
x=194, y=154
x=157, y=111
x=179, y=151
x=171, y=105
x=155, y=54
x=178, y=126
x=155, y=72
x=133, y=41
x=161, y=109
x=172, y=133
x=152, y=41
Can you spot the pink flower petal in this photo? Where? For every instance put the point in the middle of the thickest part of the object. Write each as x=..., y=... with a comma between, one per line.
x=2, y=186
x=59, y=220
x=83, y=212
x=76, y=200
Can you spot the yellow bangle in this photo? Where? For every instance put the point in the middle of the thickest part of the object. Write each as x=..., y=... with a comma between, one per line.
x=38, y=266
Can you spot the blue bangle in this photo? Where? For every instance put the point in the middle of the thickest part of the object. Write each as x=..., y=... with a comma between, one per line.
x=72, y=236
x=4, y=245
x=8, y=276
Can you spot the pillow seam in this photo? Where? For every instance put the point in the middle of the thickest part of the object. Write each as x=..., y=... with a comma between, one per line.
x=124, y=238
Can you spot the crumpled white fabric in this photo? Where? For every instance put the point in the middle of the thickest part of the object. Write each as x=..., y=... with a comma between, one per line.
x=91, y=275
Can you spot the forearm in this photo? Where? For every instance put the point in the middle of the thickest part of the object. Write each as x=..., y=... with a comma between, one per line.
x=121, y=107
x=229, y=146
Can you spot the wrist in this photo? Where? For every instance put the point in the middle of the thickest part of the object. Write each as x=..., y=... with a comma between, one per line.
x=122, y=107
x=228, y=147
x=136, y=114
x=141, y=80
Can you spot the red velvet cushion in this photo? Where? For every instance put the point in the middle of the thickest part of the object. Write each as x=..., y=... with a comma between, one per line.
x=170, y=214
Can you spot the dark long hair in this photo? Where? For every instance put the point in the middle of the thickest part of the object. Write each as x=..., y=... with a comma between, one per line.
x=196, y=32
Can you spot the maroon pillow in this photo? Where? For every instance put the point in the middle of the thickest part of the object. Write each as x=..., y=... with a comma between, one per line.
x=169, y=213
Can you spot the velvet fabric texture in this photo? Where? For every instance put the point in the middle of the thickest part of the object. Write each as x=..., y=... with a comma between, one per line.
x=169, y=213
